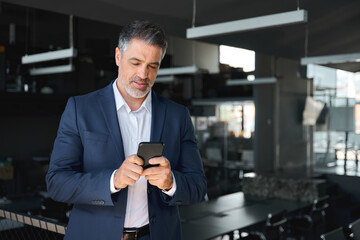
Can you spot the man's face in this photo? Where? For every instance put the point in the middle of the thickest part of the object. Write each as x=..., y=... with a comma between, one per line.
x=138, y=67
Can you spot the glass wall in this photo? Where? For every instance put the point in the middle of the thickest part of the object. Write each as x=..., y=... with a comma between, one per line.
x=225, y=132
x=337, y=132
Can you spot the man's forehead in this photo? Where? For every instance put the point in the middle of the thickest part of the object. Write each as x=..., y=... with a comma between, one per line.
x=137, y=49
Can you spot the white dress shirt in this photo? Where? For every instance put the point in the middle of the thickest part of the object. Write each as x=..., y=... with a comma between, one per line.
x=135, y=127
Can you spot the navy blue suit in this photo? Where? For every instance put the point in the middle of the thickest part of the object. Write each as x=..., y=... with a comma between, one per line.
x=88, y=148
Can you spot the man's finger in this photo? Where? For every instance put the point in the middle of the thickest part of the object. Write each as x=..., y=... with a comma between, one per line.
x=152, y=171
x=159, y=160
x=153, y=177
x=133, y=175
x=135, y=168
x=129, y=181
x=135, y=159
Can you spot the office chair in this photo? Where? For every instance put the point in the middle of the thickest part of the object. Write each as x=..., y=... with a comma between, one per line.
x=274, y=227
x=252, y=236
x=319, y=208
x=355, y=229
x=272, y=230
x=337, y=234
x=311, y=222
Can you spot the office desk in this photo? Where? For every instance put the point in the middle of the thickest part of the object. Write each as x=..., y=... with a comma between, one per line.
x=214, y=207
x=192, y=231
x=230, y=213
x=23, y=204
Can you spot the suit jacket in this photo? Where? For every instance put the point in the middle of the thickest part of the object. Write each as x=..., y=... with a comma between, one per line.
x=88, y=148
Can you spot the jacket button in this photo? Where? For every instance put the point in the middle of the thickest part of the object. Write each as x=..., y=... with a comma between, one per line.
x=149, y=191
x=98, y=202
x=153, y=220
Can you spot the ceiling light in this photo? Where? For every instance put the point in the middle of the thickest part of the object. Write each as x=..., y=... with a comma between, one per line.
x=237, y=82
x=255, y=23
x=178, y=70
x=250, y=77
x=331, y=59
x=52, y=70
x=49, y=56
x=165, y=79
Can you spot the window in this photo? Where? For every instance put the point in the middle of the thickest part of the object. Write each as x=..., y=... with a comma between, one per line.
x=238, y=58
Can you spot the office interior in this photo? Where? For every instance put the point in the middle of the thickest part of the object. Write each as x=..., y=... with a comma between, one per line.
x=280, y=143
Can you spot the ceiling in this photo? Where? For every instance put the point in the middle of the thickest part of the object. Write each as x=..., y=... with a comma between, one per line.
x=333, y=25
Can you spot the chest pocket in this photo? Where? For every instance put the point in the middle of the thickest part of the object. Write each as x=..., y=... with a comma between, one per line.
x=98, y=151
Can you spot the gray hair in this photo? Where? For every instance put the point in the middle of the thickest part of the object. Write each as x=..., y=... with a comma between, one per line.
x=144, y=30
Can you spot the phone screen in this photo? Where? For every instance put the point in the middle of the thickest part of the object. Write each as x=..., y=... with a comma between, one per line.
x=148, y=150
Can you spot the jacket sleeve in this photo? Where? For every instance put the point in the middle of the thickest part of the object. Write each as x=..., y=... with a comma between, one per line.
x=65, y=179
x=189, y=175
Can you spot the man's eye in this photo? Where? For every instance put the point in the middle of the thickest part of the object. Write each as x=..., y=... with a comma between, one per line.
x=153, y=67
x=135, y=64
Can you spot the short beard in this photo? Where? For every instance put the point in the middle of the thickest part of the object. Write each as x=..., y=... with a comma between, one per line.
x=136, y=93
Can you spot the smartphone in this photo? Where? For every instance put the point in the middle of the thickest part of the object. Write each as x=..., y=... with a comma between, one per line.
x=148, y=150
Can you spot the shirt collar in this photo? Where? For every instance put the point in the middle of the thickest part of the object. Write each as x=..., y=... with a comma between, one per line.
x=120, y=102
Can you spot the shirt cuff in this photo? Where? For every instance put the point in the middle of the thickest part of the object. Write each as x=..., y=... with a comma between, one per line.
x=112, y=186
x=171, y=192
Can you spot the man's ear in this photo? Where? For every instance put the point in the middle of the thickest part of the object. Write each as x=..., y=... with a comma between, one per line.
x=117, y=56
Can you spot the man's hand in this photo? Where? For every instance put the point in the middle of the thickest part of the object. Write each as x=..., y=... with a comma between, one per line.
x=129, y=172
x=161, y=175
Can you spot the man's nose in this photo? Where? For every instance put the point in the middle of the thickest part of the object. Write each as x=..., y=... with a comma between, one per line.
x=143, y=72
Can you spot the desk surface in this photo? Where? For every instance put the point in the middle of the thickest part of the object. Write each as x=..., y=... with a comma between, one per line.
x=24, y=204
x=214, y=207
x=229, y=213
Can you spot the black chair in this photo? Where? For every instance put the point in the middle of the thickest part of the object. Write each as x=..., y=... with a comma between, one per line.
x=274, y=227
x=310, y=223
x=355, y=229
x=252, y=236
x=337, y=234
x=318, y=211
x=272, y=230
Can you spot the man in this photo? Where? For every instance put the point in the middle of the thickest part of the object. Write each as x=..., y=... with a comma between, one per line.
x=94, y=163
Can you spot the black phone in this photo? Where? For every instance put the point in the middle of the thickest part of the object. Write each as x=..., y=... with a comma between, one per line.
x=148, y=150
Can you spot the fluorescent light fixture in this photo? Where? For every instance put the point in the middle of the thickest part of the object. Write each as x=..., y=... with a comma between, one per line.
x=49, y=56
x=255, y=23
x=52, y=70
x=331, y=59
x=165, y=79
x=216, y=101
x=178, y=70
x=237, y=82
x=250, y=78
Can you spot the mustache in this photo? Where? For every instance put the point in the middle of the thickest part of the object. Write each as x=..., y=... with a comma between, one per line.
x=138, y=79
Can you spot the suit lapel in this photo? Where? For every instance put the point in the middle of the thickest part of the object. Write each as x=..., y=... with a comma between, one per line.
x=108, y=107
x=158, y=117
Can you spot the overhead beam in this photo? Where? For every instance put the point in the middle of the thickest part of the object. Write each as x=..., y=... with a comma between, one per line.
x=255, y=23
x=331, y=59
